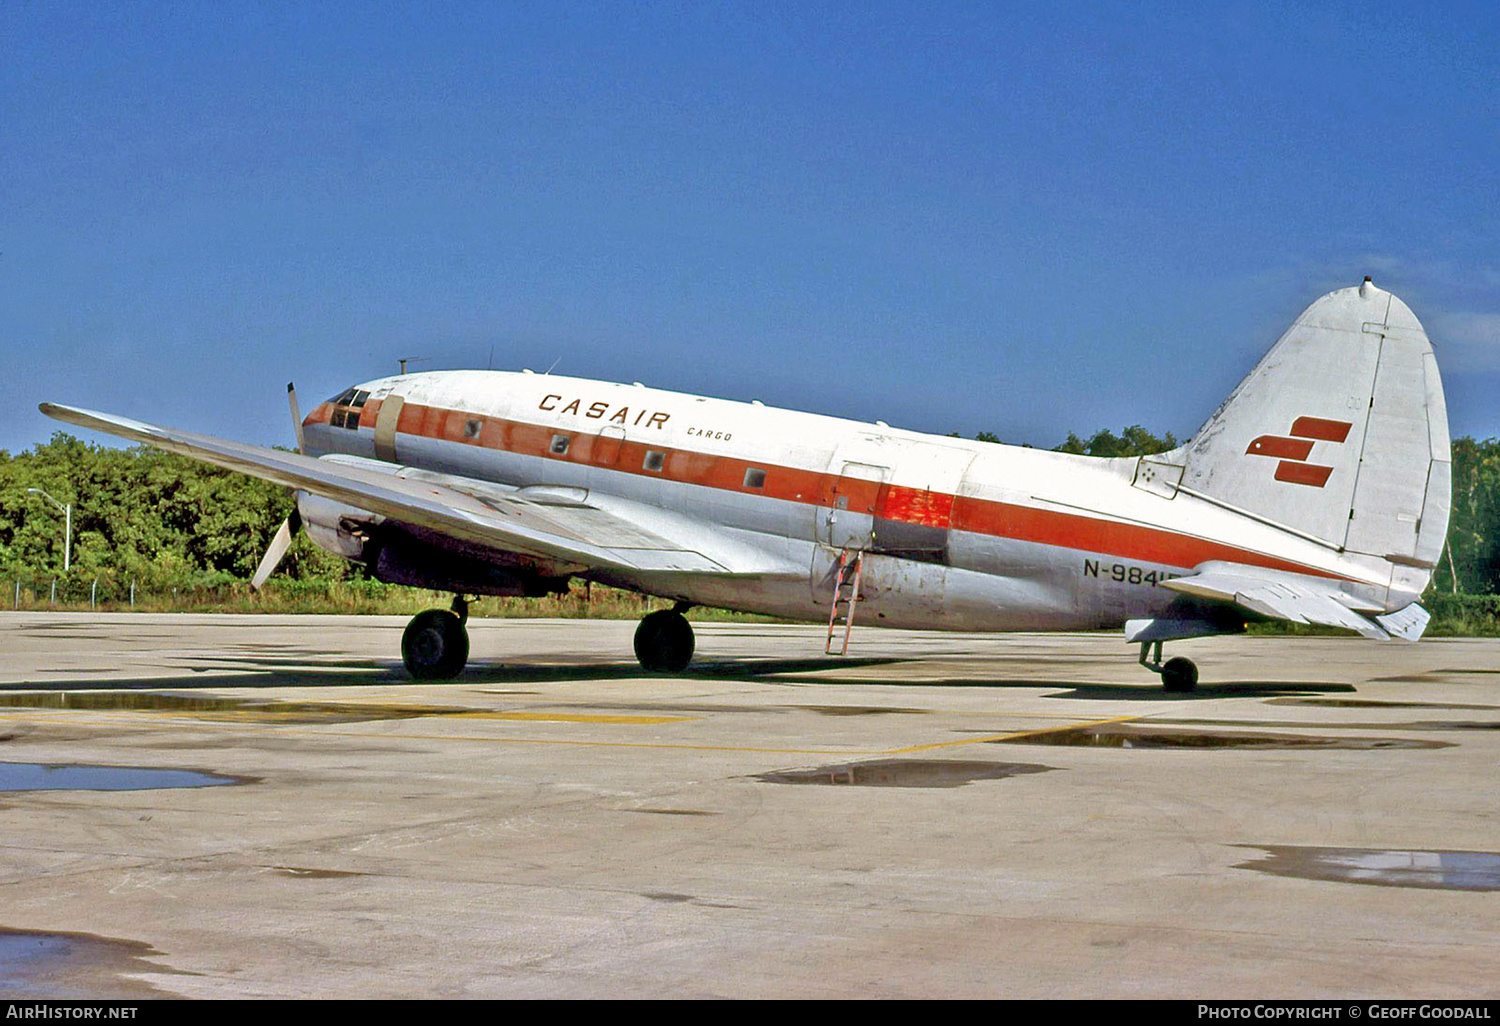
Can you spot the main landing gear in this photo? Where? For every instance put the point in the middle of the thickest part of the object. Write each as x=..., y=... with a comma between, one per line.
x=664, y=640
x=436, y=644
x=1177, y=673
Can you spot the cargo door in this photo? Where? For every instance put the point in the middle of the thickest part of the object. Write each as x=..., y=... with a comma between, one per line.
x=846, y=509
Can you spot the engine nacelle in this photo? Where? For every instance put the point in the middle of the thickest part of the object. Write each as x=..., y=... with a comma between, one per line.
x=335, y=526
x=399, y=554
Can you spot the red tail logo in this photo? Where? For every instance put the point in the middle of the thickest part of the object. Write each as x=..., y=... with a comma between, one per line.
x=1293, y=451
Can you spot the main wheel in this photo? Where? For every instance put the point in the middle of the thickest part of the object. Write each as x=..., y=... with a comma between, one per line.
x=435, y=645
x=1179, y=674
x=664, y=641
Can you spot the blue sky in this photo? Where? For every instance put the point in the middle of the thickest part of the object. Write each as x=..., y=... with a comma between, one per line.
x=1026, y=219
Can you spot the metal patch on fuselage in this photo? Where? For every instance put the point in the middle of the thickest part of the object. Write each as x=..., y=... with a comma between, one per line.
x=385, y=428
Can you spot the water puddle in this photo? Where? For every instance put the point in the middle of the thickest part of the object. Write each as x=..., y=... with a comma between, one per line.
x=1388, y=725
x=302, y=873
x=1368, y=703
x=858, y=710
x=1139, y=737
x=74, y=966
x=903, y=773
x=1441, y=869
x=232, y=709
x=36, y=776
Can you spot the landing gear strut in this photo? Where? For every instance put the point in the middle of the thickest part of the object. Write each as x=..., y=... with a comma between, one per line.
x=664, y=640
x=436, y=645
x=1177, y=673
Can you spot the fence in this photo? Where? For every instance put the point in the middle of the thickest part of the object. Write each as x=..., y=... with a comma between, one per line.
x=42, y=591
x=220, y=593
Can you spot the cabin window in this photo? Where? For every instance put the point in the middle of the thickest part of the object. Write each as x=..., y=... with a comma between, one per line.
x=359, y=398
x=560, y=444
x=654, y=460
x=471, y=428
x=755, y=478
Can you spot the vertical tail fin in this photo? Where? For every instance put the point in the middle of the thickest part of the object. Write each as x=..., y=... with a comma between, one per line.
x=1340, y=433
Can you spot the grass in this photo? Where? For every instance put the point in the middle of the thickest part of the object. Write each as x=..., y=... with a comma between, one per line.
x=361, y=598
x=1452, y=615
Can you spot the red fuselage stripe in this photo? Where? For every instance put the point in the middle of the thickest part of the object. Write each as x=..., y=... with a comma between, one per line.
x=818, y=488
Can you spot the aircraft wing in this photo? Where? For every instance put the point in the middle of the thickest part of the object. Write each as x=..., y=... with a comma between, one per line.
x=548, y=525
x=1298, y=599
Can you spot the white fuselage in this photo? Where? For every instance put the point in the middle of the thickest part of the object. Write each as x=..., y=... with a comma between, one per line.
x=958, y=535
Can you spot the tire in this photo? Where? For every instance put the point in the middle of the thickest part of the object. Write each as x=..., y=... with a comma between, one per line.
x=664, y=642
x=435, y=645
x=1179, y=674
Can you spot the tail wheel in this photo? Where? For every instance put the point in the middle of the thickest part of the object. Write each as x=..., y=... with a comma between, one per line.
x=1179, y=674
x=664, y=641
x=435, y=645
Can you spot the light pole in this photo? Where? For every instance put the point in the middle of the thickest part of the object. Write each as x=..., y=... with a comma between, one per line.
x=67, y=528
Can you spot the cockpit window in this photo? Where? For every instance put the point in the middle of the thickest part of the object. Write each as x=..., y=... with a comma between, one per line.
x=348, y=405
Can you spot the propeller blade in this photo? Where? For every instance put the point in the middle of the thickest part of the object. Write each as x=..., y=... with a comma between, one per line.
x=282, y=541
x=277, y=550
x=291, y=397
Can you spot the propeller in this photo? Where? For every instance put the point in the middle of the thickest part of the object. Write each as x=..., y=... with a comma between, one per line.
x=277, y=550
x=282, y=541
x=291, y=398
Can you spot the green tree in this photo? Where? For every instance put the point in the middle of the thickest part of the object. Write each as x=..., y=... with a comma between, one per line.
x=145, y=515
x=1472, y=559
x=1133, y=441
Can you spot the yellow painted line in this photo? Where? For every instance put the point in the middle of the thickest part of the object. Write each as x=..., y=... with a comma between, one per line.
x=75, y=716
x=600, y=744
x=1009, y=737
x=567, y=717
x=305, y=717
x=491, y=739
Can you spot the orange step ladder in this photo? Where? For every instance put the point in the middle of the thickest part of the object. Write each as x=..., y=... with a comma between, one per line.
x=845, y=597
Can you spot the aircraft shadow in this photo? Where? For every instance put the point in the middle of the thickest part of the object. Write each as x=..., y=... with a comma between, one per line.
x=280, y=672
x=1145, y=691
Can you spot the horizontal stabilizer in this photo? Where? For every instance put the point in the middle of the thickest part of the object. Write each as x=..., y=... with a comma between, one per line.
x=1279, y=597
x=1408, y=623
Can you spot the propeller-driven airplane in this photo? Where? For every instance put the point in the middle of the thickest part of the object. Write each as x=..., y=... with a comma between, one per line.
x=1318, y=492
